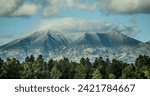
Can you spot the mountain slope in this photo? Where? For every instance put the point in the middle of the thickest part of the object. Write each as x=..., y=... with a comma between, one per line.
x=36, y=43
x=44, y=40
x=107, y=45
x=110, y=39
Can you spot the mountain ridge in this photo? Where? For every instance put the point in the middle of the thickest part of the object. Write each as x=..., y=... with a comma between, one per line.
x=88, y=44
x=37, y=39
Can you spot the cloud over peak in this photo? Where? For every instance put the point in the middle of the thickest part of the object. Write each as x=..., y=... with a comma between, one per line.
x=74, y=25
x=69, y=24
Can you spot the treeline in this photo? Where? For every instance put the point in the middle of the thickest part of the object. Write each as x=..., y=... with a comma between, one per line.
x=37, y=68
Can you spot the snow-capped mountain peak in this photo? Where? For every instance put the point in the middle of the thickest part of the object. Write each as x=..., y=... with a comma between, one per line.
x=53, y=44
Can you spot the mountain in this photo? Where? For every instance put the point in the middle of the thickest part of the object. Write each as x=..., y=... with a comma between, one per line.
x=110, y=39
x=87, y=44
x=107, y=45
x=36, y=43
x=148, y=42
x=44, y=40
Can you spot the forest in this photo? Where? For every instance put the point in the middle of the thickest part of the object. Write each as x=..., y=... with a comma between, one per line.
x=38, y=68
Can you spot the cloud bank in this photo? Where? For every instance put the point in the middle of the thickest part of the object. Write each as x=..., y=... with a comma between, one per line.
x=26, y=10
x=7, y=7
x=11, y=8
x=130, y=31
x=125, y=6
x=53, y=7
x=47, y=7
x=75, y=25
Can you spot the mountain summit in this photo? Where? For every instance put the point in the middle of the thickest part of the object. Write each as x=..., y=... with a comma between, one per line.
x=36, y=43
x=54, y=44
x=42, y=40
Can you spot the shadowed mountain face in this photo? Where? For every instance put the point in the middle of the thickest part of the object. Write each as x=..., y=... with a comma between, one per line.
x=111, y=40
x=45, y=43
x=54, y=45
x=38, y=40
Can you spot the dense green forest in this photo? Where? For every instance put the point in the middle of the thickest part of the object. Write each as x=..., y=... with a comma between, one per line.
x=37, y=68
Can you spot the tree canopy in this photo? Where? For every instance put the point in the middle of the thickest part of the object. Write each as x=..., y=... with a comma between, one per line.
x=37, y=68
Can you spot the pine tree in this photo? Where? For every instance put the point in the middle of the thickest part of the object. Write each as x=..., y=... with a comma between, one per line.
x=101, y=65
x=1, y=67
x=83, y=70
x=40, y=69
x=12, y=69
x=96, y=74
x=111, y=76
x=128, y=72
x=55, y=73
x=116, y=68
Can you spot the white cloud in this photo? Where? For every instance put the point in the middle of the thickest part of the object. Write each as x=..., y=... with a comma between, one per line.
x=73, y=25
x=26, y=10
x=125, y=6
x=130, y=31
x=7, y=7
x=86, y=6
x=53, y=7
x=17, y=8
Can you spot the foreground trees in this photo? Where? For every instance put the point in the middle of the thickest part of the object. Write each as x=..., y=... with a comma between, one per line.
x=37, y=68
x=11, y=69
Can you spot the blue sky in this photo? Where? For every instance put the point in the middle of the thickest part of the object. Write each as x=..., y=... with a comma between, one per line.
x=21, y=17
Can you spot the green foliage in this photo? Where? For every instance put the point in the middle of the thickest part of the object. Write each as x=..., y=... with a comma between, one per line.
x=40, y=68
x=55, y=73
x=1, y=67
x=11, y=69
x=83, y=69
x=116, y=68
x=102, y=66
x=96, y=74
x=142, y=61
x=128, y=72
x=111, y=76
x=37, y=68
x=61, y=69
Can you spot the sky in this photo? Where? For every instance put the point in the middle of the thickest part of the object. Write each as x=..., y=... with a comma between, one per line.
x=19, y=18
